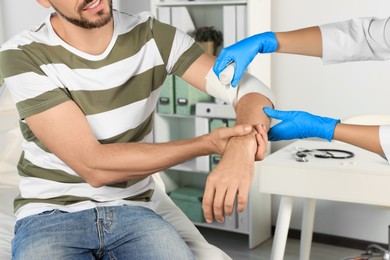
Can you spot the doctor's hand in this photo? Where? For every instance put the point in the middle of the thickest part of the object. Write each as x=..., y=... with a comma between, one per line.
x=243, y=52
x=300, y=124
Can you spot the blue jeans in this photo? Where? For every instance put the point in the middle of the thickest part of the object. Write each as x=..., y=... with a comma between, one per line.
x=122, y=232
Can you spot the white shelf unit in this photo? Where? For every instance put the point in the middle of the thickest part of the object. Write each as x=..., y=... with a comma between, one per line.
x=199, y=3
x=256, y=220
x=258, y=19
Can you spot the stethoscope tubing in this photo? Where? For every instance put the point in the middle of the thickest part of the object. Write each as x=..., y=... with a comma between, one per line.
x=301, y=155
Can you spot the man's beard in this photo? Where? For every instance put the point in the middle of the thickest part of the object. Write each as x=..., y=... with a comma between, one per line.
x=82, y=22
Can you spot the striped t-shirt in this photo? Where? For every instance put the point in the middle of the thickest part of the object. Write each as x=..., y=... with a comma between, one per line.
x=117, y=91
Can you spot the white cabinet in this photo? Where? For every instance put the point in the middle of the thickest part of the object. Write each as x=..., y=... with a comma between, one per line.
x=209, y=13
x=256, y=220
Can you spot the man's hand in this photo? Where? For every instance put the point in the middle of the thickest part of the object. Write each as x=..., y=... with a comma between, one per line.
x=262, y=142
x=232, y=177
x=220, y=136
x=300, y=124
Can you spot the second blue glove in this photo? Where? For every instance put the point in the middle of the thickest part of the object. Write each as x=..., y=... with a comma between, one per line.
x=300, y=124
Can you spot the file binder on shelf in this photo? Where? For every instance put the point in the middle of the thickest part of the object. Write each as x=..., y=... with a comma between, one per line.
x=166, y=101
x=164, y=14
x=181, y=19
x=188, y=96
x=241, y=17
x=229, y=25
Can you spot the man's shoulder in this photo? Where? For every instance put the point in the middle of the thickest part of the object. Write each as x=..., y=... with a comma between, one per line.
x=141, y=15
x=126, y=19
x=26, y=37
x=145, y=15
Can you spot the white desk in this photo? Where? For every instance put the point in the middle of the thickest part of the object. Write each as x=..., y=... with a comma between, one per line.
x=329, y=179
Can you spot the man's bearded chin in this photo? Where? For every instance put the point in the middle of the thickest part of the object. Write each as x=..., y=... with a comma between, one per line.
x=83, y=22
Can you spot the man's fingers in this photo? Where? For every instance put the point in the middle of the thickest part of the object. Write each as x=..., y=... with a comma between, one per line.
x=262, y=141
x=261, y=130
x=242, y=197
x=237, y=130
x=208, y=201
x=230, y=199
x=219, y=202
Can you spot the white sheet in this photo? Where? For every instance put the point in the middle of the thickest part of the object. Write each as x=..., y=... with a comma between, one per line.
x=7, y=219
x=10, y=139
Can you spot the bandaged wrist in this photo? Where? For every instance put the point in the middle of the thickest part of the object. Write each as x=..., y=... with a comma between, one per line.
x=248, y=84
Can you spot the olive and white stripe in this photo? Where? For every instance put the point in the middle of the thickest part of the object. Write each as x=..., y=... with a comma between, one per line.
x=117, y=91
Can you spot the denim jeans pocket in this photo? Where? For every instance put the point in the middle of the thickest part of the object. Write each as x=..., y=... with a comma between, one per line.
x=28, y=219
x=52, y=212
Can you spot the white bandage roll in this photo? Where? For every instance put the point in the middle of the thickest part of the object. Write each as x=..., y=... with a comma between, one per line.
x=217, y=90
x=227, y=74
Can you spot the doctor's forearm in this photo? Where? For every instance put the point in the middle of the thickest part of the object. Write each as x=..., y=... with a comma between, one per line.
x=366, y=137
x=307, y=41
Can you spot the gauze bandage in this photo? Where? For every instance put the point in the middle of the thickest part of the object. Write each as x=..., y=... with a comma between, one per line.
x=248, y=84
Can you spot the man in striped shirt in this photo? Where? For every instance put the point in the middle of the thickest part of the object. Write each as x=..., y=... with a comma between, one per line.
x=86, y=83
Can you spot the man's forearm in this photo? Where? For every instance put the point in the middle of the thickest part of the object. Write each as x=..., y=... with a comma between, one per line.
x=66, y=133
x=306, y=41
x=113, y=163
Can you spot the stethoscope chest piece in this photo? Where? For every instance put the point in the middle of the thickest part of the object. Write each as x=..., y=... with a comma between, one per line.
x=301, y=157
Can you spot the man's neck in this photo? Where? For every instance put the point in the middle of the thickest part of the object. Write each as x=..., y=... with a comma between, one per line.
x=91, y=41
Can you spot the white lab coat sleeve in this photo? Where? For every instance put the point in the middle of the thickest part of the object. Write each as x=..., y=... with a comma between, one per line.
x=357, y=39
x=384, y=139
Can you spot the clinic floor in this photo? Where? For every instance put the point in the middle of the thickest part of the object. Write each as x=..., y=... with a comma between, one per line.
x=236, y=246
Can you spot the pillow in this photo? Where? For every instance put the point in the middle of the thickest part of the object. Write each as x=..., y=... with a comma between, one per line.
x=10, y=139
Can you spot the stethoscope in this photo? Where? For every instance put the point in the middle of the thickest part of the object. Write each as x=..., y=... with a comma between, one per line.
x=302, y=155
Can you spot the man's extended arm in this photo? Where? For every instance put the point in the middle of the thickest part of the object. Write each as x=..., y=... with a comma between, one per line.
x=65, y=131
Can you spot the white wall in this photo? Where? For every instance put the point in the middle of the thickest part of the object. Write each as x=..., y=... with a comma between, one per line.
x=15, y=16
x=342, y=90
x=1, y=23
x=18, y=16
x=135, y=6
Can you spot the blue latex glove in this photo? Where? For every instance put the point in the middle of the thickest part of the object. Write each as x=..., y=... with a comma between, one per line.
x=243, y=52
x=299, y=124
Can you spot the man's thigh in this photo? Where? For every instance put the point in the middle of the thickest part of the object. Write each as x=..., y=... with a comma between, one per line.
x=55, y=235
x=147, y=237
x=115, y=232
x=202, y=250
